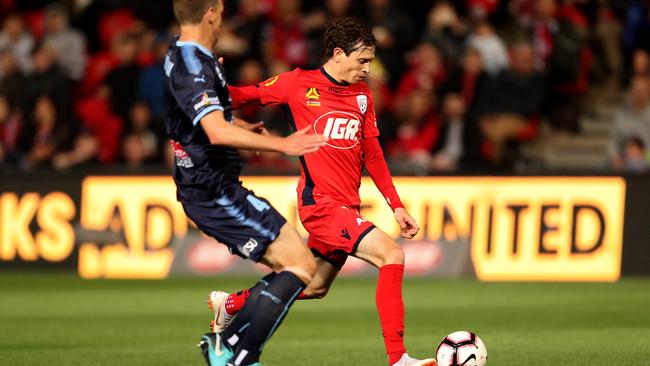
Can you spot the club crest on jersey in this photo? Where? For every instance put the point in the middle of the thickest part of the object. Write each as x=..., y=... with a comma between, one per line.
x=313, y=97
x=342, y=128
x=362, y=101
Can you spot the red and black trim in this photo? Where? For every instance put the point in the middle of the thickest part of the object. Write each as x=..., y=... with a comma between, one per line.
x=361, y=236
x=307, y=193
x=318, y=254
x=330, y=78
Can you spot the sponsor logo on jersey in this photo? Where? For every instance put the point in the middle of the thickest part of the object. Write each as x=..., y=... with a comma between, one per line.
x=248, y=248
x=342, y=128
x=205, y=101
x=313, y=97
x=362, y=101
x=271, y=81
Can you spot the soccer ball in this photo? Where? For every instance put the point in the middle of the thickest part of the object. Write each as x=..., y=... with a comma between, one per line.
x=461, y=349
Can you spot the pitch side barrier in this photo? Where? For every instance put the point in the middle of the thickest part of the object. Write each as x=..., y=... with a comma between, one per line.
x=494, y=228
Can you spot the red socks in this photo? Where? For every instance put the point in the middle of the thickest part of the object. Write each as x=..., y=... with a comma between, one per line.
x=391, y=309
x=236, y=301
x=302, y=296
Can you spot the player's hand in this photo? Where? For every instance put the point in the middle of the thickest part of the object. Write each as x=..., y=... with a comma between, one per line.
x=408, y=227
x=259, y=128
x=302, y=142
x=253, y=127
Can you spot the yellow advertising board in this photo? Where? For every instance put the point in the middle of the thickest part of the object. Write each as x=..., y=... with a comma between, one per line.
x=532, y=228
x=145, y=210
x=53, y=240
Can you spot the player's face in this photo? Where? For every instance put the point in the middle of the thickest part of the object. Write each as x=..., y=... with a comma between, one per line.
x=216, y=20
x=356, y=66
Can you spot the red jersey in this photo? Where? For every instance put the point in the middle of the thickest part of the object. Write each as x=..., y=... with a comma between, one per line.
x=343, y=112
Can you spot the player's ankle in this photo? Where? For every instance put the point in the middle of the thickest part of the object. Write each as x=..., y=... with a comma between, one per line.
x=236, y=301
x=394, y=357
x=230, y=304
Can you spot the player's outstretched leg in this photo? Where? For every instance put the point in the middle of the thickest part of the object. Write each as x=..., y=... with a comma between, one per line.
x=235, y=330
x=232, y=305
x=295, y=267
x=383, y=252
x=225, y=306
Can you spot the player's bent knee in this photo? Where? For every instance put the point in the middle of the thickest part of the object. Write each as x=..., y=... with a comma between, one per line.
x=302, y=271
x=394, y=255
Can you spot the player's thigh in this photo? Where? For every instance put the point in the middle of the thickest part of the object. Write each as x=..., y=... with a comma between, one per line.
x=378, y=249
x=323, y=278
x=288, y=252
x=334, y=230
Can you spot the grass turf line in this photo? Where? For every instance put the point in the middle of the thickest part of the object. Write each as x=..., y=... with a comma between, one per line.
x=58, y=319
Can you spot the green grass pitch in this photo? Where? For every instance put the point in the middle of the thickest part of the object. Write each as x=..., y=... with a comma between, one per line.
x=58, y=319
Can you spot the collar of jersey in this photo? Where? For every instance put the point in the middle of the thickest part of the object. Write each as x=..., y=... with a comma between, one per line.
x=322, y=70
x=201, y=48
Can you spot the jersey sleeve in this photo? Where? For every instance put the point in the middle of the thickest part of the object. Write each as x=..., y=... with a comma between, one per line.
x=193, y=87
x=277, y=89
x=379, y=172
x=370, y=122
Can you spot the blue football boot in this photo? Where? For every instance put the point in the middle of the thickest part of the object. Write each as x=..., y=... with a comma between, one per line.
x=214, y=352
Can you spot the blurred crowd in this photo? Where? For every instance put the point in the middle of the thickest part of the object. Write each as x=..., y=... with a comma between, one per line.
x=459, y=86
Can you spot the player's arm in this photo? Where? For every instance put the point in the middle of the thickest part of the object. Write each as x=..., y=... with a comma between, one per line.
x=220, y=132
x=378, y=170
x=243, y=96
x=273, y=91
x=191, y=84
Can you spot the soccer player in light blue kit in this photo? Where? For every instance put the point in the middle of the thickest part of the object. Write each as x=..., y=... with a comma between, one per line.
x=205, y=137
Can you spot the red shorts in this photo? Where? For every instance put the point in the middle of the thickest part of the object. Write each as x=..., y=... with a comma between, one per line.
x=335, y=230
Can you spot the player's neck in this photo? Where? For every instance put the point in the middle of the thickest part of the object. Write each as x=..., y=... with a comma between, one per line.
x=332, y=70
x=196, y=34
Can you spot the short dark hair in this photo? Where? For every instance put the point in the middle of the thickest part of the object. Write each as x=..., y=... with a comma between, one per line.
x=191, y=11
x=347, y=34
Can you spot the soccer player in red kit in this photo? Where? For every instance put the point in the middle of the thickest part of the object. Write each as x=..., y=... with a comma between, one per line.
x=336, y=103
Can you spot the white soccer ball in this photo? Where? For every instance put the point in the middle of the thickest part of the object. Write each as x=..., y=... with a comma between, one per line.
x=461, y=349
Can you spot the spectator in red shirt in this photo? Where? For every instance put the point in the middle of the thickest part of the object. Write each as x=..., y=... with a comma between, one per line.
x=285, y=38
x=426, y=71
x=417, y=130
x=99, y=140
